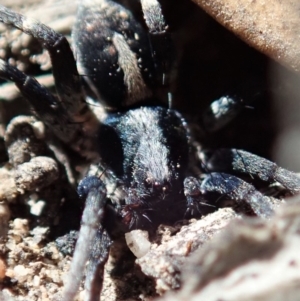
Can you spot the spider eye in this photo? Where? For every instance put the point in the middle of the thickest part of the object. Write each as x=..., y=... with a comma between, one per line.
x=166, y=188
x=157, y=186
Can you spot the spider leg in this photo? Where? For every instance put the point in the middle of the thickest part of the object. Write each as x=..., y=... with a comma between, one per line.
x=160, y=37
x=221, y=112
x=98, y=258
x=194, y=197
x=153, y=16
x=93, y=190
x=50, y=111
x=67, y=79
x=68, y=115
x=240, y=161
x=45, y=104
x=230, y=187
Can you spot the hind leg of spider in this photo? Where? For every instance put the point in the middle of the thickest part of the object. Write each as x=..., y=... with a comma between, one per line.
x=50, y=110
x=160, y=38
x=93, y=243
x=226, y=186
x=67, y=80
x=239, y=161
x=65, y=73
x=47, y=107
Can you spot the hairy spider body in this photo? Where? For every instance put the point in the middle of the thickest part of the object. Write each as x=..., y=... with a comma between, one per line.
x=143, y=148
x=154, y=160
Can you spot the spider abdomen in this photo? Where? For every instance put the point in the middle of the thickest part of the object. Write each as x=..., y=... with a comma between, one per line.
x=113, y=53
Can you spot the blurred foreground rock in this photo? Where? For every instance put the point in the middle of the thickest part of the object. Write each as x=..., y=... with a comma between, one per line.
x=251, y=260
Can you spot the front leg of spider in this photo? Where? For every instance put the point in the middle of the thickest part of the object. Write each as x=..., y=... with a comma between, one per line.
x=242, y=162
x=69, y=118
x=226, y=187
x=91, y=233
x=234, y=188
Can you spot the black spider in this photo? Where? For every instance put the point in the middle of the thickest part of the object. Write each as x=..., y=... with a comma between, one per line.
x=147, y=173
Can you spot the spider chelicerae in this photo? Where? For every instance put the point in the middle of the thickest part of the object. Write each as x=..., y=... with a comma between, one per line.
x=145, y=170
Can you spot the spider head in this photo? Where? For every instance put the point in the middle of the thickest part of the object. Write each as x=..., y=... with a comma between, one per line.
x=150, y=200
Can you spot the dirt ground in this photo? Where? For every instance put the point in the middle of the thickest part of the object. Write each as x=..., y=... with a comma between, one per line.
x=223, y=256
